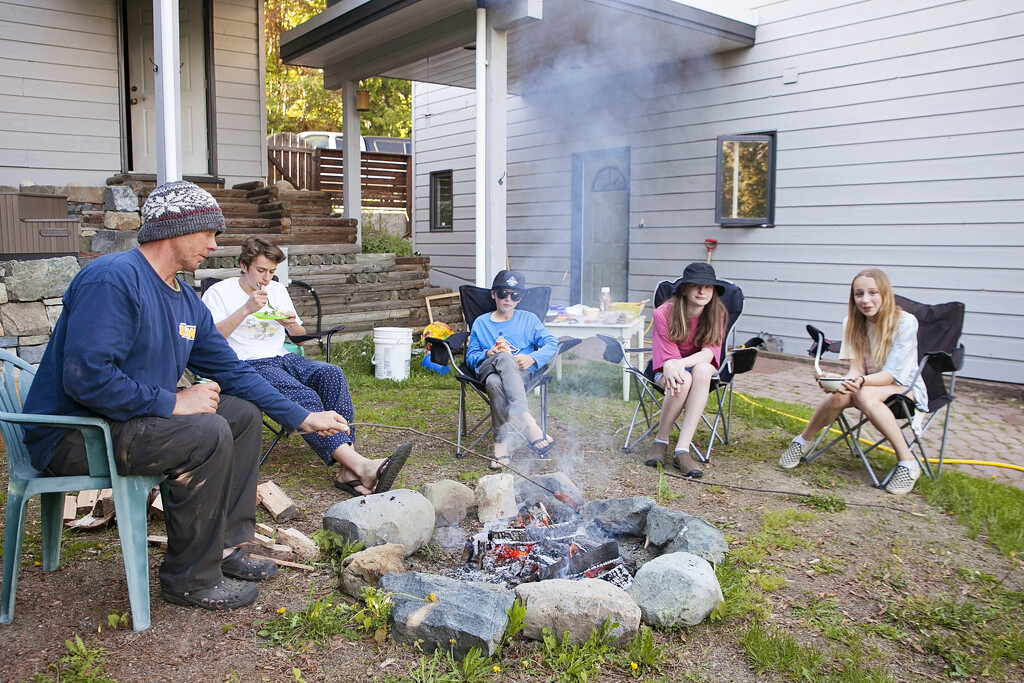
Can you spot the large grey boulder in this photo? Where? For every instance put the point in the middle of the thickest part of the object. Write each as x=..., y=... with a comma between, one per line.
x=401, y=516
x=577, y=607
x=673, y=531
x=463, y=615
x=619, y=516
x=676, y=589
x=451, y=501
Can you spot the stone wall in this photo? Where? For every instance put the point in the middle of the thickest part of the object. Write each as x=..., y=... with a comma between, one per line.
x=30, y=303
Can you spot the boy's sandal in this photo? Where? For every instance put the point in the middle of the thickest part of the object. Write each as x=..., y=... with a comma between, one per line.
x=388, y=471
x=349, y=487
x=498, y=464
x=542, y=451
x=240, y=566
x=228, y=594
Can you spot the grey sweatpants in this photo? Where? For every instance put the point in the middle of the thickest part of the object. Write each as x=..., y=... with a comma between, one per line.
x=212, y=463
x=505, y=384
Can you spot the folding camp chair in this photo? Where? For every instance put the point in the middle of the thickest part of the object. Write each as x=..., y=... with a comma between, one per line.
x=940, y=355
x=319, y=334
x=733, y=361
x=24, y=482
x=477, y=301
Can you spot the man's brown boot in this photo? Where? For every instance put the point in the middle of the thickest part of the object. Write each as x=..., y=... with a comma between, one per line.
x=657, y=454
x=687, y=465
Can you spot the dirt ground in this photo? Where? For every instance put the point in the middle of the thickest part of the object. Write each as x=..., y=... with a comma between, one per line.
x=878, y=549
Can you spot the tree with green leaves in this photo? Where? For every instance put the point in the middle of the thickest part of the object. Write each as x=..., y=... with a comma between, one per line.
x=296, y=98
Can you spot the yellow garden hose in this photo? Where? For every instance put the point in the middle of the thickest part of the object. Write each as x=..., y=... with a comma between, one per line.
x=945, y=461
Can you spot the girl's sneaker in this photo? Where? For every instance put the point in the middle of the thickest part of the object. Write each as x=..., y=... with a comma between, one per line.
x=902, y=480
x=791, y=456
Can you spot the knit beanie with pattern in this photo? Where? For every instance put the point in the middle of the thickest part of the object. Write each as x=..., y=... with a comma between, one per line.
x=179, y=208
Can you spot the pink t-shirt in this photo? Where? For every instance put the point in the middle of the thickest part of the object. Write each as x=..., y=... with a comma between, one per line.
x=665, y=349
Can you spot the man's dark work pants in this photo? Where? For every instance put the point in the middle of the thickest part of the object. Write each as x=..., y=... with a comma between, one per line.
x=212, y=463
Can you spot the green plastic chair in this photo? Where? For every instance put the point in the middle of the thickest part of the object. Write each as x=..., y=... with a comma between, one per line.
x=130, y=493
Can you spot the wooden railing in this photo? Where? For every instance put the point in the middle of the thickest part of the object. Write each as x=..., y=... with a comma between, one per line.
x=386, y=178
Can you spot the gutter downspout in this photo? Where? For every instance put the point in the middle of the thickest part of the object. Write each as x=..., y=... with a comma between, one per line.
x=167, y=80
x=480, y=181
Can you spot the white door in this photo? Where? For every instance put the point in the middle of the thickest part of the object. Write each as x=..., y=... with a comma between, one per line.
x=142, y=93
x=601, y=225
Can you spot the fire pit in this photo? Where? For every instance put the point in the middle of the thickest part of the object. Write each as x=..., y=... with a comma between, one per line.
x=533, y=548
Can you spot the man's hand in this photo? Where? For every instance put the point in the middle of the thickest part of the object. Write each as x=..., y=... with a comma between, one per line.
x=198, y=398
x=525, y=361
x=324, y=423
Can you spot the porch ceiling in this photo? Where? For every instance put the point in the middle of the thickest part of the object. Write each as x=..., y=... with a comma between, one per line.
x=427, y=40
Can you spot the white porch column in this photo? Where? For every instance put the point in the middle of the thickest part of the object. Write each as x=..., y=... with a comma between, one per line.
x=491, y=145
x=167, y=58
x=352, y=172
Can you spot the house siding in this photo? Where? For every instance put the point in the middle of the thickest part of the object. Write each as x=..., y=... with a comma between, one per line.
x=900, y=145
x=60, y=117
x=60, y=92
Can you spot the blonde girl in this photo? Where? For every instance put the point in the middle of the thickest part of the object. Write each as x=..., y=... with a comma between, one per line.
x=880, y=345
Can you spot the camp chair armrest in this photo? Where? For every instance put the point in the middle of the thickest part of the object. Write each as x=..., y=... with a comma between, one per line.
x=309, y=336
x=95, y=432
x=944, y=361
x=827, y=345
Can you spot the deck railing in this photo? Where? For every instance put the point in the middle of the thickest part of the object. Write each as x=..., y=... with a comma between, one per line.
x=386, y=178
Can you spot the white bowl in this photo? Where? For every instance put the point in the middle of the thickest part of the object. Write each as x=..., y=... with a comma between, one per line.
x=833, y=384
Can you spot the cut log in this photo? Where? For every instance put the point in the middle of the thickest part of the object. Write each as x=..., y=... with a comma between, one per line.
x=157, y=539
x=70, y=507
x=156, y=504
x=90, y=522
x=87, y=499
x=303, y=546
x=104, y=506
x=284, y=563
x=276, y=501
x=265, y=529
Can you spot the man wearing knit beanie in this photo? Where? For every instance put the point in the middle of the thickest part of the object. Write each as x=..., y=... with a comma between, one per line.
x=128, y=330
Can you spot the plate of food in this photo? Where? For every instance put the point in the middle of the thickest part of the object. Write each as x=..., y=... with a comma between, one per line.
x=268, y=315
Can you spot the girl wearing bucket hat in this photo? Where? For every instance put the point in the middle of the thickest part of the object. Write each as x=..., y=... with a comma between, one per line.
x=688, y=335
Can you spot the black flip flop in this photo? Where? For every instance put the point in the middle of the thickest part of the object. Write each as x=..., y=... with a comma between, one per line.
x=388, y=471
x=349, y=487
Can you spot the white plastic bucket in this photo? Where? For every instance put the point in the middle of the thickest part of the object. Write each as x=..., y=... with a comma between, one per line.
x=392, y=350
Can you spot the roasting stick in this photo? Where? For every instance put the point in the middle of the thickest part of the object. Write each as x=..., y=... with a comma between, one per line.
x=479, y=455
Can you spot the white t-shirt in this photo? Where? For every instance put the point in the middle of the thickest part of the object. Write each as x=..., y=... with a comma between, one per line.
x=254, y=338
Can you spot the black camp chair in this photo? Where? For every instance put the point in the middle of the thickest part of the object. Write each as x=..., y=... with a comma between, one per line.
x=319, y=334
x=733, y=361
x=477, y=301
x=940, y=356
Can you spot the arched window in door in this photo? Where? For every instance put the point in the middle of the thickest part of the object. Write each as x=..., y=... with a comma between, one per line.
x=609, y=179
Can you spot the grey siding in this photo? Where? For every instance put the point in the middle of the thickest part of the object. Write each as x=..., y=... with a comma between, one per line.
x=241, y=109
x=60, y=91
x=60, y=117
x=443, y=134
x=900, y=145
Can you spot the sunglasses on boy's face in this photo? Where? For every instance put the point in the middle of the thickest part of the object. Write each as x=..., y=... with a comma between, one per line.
x=508, y=294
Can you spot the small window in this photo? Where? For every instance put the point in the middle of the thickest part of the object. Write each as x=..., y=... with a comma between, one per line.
x=745, y=187
x=441, y=201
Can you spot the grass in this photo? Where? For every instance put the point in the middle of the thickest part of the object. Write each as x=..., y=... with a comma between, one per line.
x=961, y=623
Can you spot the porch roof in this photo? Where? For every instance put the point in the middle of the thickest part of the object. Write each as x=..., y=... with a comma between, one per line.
x=432, y=40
